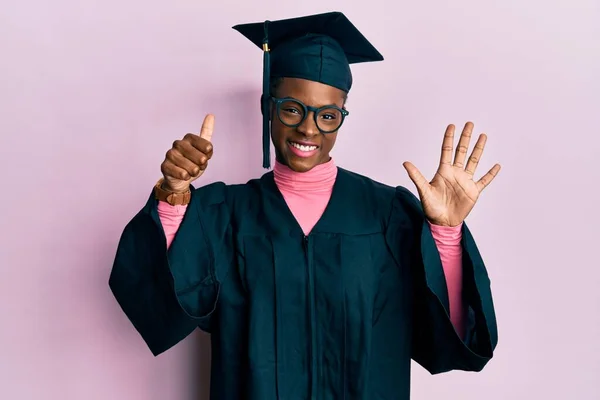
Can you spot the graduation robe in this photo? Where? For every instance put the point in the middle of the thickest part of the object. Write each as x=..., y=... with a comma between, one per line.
x=335, y=314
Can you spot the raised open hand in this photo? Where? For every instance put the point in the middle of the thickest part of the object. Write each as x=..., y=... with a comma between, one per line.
x=452, y=193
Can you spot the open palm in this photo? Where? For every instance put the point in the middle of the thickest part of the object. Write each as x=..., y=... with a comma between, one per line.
x=452, y=193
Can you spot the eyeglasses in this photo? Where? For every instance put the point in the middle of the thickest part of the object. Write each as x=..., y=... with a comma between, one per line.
x=292, y=113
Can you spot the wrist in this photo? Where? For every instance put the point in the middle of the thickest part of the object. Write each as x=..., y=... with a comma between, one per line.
x=444, y=225
x=164, y=185
x=163, y=192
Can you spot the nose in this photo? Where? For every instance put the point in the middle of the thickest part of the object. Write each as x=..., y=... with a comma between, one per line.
x=308, y=127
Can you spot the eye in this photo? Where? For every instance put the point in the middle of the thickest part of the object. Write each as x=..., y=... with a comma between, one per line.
x=291, y=110
x=329, y=114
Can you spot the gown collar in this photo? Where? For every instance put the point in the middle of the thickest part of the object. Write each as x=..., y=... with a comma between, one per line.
x=349, y=196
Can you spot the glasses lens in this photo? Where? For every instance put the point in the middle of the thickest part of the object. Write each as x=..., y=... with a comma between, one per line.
x=329, y=119
x=291, y=112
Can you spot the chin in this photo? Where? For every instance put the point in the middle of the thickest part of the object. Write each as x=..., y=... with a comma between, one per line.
x=299, y=164
x=301, y=167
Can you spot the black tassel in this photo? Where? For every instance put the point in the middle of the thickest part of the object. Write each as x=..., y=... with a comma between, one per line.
x=266, y=99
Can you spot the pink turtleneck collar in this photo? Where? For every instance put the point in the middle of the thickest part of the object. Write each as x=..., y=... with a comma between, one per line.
x=306, y=193
x=320, y=179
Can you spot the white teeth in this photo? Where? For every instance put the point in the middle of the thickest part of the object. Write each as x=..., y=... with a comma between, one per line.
x=302, y=147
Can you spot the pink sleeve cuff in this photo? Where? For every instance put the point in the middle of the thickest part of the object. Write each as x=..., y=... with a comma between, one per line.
x=446, y=235
x=170, y=218
x=448, y=242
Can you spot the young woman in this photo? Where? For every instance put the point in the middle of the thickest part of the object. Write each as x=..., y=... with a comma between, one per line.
x=314, y=282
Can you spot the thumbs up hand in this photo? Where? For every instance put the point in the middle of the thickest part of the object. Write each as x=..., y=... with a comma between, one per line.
x=187, y=160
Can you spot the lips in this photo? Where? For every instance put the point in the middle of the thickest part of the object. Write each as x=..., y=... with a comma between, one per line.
x=302, y=148
x=304, y=142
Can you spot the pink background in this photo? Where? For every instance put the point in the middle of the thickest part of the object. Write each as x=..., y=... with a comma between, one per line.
x=93, y=93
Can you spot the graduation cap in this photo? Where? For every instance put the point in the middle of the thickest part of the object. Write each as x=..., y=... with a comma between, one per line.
x=317, y=47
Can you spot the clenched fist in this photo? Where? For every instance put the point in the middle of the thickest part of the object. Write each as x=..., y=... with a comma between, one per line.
x=188, y=158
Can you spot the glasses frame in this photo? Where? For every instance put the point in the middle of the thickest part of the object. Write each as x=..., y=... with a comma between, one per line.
x=315, y=110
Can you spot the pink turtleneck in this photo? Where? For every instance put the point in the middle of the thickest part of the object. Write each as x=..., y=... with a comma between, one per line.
x=299, y=189
x=314, y=187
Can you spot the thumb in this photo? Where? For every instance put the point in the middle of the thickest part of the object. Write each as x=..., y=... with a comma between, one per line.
x=416, y=176
x=208, y=125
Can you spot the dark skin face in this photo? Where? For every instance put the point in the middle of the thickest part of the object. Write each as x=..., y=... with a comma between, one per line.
x=312, y=94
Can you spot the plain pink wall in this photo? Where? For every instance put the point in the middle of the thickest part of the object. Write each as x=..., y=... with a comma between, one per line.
x=92, y=94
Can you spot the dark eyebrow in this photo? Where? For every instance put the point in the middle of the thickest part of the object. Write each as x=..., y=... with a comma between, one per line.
x=325, y=105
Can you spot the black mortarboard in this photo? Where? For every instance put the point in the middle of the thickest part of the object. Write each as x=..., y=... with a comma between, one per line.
x=315, y=47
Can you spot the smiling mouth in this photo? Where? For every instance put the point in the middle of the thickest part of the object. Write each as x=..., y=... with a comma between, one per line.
x=303, y=147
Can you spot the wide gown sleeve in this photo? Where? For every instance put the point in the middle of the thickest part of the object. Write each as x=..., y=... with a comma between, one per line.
x=436, y=345
x=167, y=294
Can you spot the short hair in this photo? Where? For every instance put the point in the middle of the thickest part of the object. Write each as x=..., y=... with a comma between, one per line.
x=276, y=82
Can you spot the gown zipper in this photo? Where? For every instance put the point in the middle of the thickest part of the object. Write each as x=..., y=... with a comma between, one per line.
x=312, y=311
